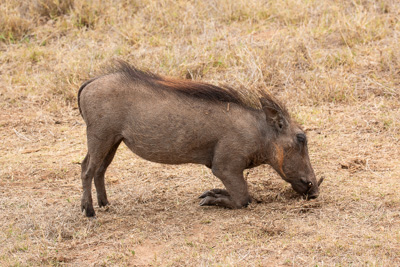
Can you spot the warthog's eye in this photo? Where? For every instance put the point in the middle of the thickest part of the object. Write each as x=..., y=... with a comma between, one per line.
x=304, y=181
x=301, y=138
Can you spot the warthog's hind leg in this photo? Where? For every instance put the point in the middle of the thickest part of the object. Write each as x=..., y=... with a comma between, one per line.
x=99, y=176
x=98, y=150
x=86, y=176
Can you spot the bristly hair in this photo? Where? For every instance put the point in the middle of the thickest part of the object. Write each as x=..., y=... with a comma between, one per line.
x=187, y=87
x=244, y=98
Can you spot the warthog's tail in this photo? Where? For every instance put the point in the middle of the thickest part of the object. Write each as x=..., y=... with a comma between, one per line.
x=80, y=91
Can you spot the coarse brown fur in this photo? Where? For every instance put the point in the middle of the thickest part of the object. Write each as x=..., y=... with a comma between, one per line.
x=177, y=121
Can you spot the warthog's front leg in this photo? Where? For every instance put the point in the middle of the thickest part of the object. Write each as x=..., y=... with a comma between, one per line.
x=236, y=196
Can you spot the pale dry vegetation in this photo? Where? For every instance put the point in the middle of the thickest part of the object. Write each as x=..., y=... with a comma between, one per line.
x=336, y=64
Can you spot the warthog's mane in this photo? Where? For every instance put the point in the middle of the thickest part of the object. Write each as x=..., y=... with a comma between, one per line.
x=246, y=98
x=187, y=87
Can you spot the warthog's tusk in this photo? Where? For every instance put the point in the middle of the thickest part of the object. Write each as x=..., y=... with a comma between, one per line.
x=321, y=180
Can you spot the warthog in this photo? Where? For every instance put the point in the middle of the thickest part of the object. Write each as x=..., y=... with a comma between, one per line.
x=180, y=121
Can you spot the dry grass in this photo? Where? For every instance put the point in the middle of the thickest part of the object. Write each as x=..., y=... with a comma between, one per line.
x=335, y=63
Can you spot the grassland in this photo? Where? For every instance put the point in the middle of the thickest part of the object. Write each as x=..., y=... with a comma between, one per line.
x=336, y=64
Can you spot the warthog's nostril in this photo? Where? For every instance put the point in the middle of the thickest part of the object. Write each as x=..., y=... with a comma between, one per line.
x=312, y=197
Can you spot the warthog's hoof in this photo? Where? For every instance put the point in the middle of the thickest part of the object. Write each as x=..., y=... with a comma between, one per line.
x=88, y=211
x=214, y=193
x=221, y=197
x=102, y=202
x=215, y=201
x=216, y=197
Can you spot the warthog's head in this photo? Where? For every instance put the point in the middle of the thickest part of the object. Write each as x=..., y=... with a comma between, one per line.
x=290, y=152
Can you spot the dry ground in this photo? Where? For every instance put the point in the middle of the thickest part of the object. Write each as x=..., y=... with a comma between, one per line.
x=335, y=63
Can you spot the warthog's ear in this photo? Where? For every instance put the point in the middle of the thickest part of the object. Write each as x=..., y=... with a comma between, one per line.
x=274, y=113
